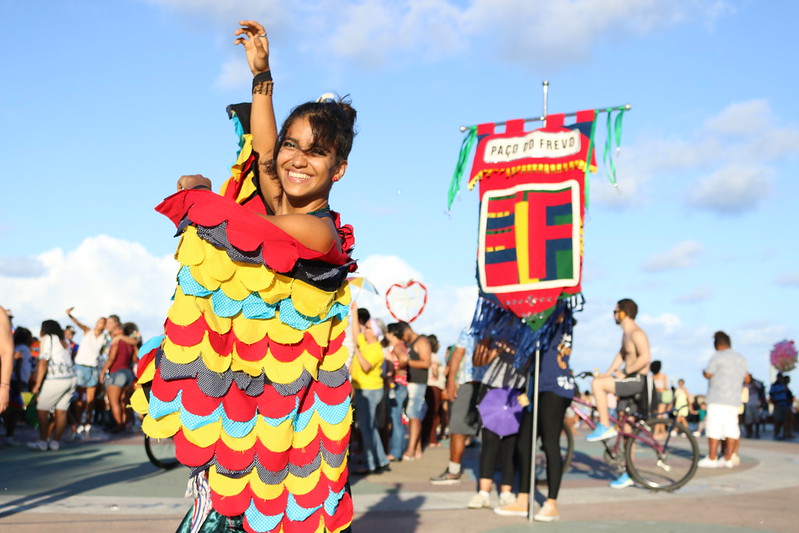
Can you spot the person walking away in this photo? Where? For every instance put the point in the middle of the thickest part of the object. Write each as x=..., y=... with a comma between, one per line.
x=55, y=383
x=367, y=381
x=87, y=369
x=725, y=373
x=463, y=386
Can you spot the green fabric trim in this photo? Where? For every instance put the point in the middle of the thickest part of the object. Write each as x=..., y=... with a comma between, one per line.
x=460, y=167
x=588, y=160
x=613, y=139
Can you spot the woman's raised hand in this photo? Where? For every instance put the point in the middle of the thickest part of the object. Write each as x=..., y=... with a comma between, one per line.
x=193, y=181
x=252, y=36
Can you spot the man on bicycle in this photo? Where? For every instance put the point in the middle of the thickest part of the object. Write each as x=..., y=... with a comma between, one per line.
x=634, y=355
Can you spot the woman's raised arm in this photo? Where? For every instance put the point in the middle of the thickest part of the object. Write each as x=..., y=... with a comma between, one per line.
x=263, y=126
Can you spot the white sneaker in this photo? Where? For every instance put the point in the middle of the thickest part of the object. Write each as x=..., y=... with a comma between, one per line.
x=735, y=460
x=40, y=445
x=707, y=462
x=479, y=501
x=506, y=499
x=723, y=463
x=54, y=445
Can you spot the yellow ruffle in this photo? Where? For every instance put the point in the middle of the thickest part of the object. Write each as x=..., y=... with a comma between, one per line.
x=161, y=428
x=138, y=401
x=184, y=310
x=230, y=486
x=248, y=187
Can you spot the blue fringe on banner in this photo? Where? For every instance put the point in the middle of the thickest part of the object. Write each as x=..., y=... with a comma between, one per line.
x=500, y=325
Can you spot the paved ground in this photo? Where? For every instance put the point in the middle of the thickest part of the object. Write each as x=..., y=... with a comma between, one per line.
x=108, y=485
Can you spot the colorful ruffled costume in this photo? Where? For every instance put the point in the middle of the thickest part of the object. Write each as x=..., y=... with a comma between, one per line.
x=250, y=375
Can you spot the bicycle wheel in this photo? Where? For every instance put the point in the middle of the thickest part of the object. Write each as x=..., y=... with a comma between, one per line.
x=666, y=465
x=566, y=451
x=161, y=452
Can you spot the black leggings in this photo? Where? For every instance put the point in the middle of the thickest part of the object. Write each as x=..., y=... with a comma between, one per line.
x=490, y=445
x=551, y=409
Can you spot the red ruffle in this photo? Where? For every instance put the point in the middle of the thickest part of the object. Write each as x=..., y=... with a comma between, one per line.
x=222, y=344
x=144, y=361
x=246, y=230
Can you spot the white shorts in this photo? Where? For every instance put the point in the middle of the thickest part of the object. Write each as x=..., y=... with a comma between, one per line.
x=722, y=422
x=56, y=394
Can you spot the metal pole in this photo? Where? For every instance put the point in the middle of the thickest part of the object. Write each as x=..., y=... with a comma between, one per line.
x=546, y=98
x=534, y=438
x=625, y=107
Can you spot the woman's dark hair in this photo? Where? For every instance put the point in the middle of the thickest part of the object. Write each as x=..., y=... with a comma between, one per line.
x=398, y=329
x=332, y=124
x=51, y=327
x=23, y=336
x=130, y=329
x=655, y=367
x=434, y=344
x=363, y=316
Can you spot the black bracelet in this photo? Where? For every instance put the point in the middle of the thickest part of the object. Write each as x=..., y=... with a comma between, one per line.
x=201, y=187
x=260, y=78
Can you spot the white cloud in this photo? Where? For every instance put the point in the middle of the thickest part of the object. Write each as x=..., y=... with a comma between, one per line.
x=373, y=30
x=21, y=267
x=682, y=255
x=379, y=32
x=273, y=11
x=696, y=295
x=732, y=189
x=105, y=275
x=101, y=276
x=233, y=74
x=741, y=118
x=729, y=161
x=665, y=323
x=789, y=279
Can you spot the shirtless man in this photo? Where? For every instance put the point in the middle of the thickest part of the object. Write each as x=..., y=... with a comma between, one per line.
x=635, y=357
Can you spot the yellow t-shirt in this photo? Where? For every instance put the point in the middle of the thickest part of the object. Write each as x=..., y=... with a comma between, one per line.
x=373, y=353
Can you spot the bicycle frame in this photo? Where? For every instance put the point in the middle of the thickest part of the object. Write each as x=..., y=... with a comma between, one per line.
x=631, y=419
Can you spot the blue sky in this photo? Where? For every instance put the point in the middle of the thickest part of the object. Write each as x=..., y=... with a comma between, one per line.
x=105, y=104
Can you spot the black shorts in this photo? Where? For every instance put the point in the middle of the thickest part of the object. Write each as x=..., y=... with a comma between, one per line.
x=629, y=386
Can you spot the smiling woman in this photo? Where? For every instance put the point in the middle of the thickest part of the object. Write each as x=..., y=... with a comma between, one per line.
x=250, y=376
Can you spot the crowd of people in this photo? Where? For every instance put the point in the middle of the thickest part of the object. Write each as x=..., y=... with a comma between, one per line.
x=408, y=394
x=56, y=383
x=392, y=362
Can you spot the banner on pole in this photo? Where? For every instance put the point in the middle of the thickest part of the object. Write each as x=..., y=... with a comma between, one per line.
x=532, y=204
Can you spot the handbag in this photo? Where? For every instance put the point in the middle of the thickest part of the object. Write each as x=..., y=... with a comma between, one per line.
x=499, y=407
x=31, y=412
x=501, y=411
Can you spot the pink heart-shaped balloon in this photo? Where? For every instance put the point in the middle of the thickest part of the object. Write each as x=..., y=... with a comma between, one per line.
x=406, y=301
